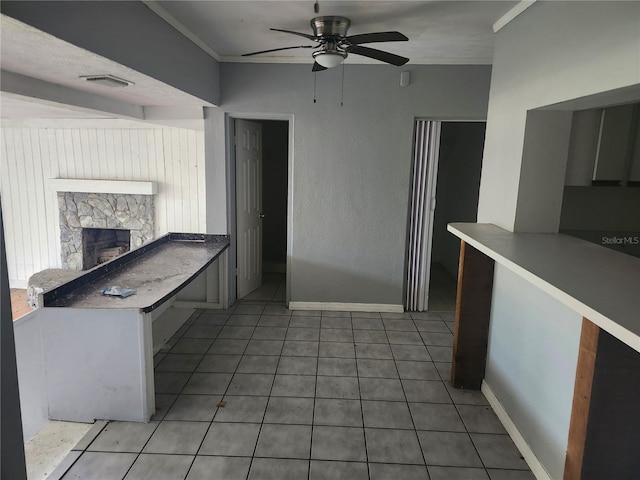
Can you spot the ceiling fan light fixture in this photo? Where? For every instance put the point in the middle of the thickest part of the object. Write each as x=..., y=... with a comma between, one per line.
x=329, y=58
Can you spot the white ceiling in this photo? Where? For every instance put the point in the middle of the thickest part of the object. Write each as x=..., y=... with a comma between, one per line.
x=440, y=32
x=452, y=32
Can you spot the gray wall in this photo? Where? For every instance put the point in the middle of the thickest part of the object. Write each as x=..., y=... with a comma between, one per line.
x=12, y=464
x=275, y=148
x=128, y=33
x=351, y=165
x=457, y=189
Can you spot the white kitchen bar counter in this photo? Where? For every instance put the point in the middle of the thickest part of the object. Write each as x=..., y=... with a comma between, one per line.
x=553, y=322
x=601, y=284
x=98, y=350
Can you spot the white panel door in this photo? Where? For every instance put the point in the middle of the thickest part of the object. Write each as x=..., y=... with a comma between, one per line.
x=249, y=205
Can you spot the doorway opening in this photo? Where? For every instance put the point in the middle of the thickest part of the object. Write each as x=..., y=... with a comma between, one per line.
x=445, y=189
x=261, y=157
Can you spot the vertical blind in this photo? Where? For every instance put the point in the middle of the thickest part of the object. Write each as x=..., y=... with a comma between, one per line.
x=422, y=205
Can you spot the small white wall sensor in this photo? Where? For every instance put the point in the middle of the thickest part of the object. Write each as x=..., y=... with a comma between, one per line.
x=405, y=78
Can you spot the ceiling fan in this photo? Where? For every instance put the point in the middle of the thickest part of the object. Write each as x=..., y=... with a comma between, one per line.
x=333, y=44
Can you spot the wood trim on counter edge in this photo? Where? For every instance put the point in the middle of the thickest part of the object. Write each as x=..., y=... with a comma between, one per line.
x=581, y=400
x=473, y=312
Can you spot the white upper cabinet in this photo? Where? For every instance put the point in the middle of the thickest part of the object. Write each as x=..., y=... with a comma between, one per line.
x=634, y=171
x=616, y=142
x=604, y=147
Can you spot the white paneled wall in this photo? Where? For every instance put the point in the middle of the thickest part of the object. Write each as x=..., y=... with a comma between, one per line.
x=30, y=156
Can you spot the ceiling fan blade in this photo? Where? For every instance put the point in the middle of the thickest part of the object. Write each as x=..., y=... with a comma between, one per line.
x=305, y=35
x=386, y=57
x=277, y=50
x=317, y=67
x=376, y=37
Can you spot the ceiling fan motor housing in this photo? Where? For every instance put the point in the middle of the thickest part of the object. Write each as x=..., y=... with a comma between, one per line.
x=330, y=26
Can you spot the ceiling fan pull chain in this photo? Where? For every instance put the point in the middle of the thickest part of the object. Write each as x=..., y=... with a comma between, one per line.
x=315, y=77
x=342, y=91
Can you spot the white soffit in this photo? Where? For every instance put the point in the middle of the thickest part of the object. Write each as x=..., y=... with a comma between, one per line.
x=27, y=51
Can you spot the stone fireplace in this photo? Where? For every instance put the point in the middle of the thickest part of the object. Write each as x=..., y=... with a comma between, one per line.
x=125, y=221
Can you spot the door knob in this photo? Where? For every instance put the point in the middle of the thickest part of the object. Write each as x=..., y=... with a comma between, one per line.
x=261, y=215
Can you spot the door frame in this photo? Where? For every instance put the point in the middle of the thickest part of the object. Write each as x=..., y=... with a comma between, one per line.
x=442, y=120
x=230, y=154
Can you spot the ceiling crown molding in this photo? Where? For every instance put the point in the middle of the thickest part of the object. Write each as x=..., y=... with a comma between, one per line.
x=511, y=14
x=179, y=26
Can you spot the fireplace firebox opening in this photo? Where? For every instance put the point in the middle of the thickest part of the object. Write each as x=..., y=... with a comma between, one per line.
x=100, y=245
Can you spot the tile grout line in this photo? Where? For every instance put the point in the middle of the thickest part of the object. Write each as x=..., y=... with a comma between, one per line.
x=185, y=385
x=255, y=448
x=178, y=396
x=316, y=377
x=138, y=454
x=364, y=433
x=455, y=406
x=217, y=408
x=83, y=451
x=315, y=393
x=223, y=395
x=415, y=430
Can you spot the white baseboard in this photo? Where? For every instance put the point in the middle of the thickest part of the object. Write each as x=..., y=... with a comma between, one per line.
x=536, y=467
x=347, y=307
x=191, y=304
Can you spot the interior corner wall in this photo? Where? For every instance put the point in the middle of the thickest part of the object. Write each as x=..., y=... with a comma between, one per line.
x=351, y=164
x=544, y=160
x=216, y=177
x=31, y=155
x=551, y=53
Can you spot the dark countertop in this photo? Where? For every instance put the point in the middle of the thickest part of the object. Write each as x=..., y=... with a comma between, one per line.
x=157, y=271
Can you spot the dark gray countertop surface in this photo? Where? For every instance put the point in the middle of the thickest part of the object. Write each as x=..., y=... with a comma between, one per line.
x=157, y=271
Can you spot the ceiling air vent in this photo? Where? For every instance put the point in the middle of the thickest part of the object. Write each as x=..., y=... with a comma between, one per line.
x=107, y=80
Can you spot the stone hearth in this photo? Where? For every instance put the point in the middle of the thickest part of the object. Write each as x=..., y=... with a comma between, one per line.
x=102, y=210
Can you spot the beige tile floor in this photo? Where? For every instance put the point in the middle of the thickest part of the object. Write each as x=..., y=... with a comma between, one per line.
x=273, y=289
x=307, y=395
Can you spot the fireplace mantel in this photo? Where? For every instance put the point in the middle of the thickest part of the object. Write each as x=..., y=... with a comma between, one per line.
x=104, y=186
